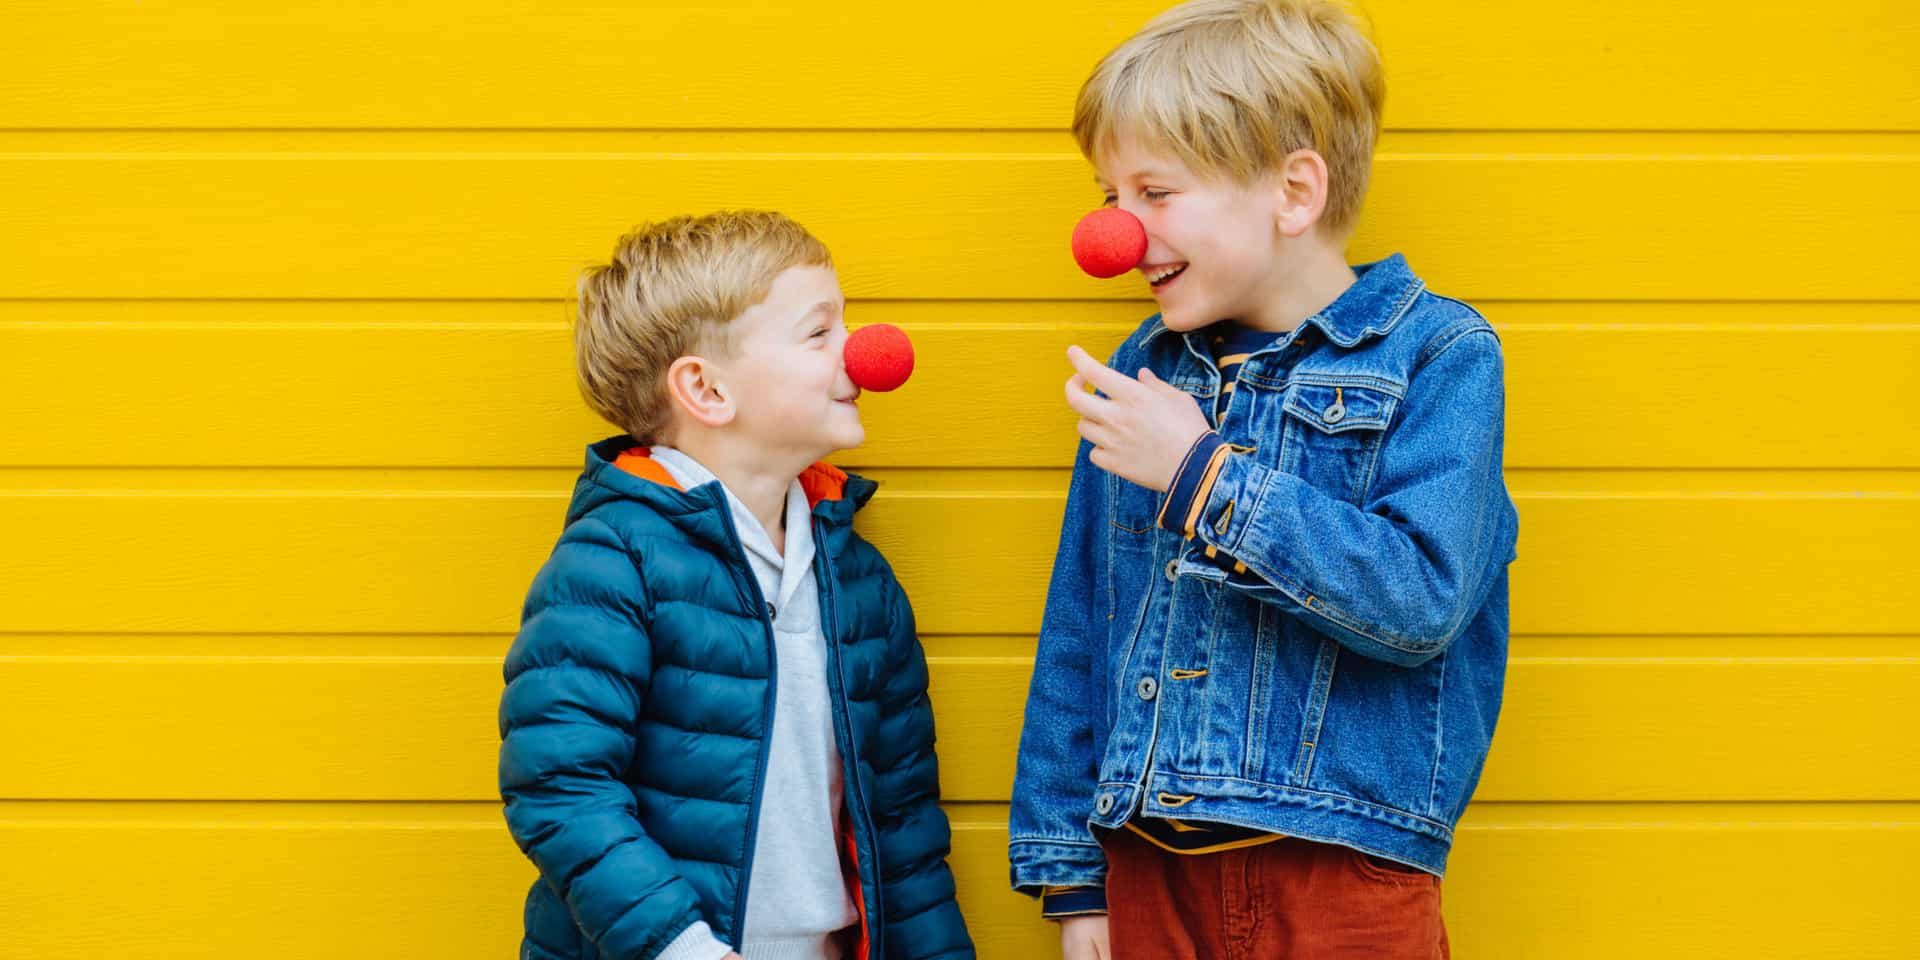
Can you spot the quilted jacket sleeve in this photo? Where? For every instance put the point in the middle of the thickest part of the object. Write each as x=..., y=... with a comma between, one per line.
x=922, y=916
x=574, y=680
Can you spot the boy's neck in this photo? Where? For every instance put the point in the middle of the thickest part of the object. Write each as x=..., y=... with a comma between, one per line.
x=1312, y=279
x=759, y=480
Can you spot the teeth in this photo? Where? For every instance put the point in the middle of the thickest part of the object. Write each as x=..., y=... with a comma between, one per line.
x=1164, y=272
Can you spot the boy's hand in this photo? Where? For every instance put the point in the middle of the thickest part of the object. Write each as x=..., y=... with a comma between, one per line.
x=1084, y=938
x=1141, y=429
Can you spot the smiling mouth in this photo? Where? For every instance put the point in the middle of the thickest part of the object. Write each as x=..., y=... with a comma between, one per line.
x=1161, y=276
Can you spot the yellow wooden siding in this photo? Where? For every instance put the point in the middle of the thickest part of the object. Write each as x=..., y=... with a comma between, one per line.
x=1644, y=385
x=876, y=64
x=985, y=225
x=1585, y=722
x=288, y=423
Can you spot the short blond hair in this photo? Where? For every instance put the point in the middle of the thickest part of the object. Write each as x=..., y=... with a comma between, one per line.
x=671, y=291
x=1231, y=87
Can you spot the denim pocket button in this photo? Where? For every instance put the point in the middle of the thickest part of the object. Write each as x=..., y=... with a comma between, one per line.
x=1147, y=687
x=1103, y=805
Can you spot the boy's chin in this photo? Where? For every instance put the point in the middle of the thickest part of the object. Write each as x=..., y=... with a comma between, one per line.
x=848, y=439
x=1183, y=320
x=838, y=438
x=1186, y=313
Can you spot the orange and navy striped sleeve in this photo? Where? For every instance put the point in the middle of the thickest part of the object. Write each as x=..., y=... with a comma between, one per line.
x=1059, y=902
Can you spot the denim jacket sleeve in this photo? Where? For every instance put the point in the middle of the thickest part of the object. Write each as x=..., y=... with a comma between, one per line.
x=1397, y=577
x=1050, y=843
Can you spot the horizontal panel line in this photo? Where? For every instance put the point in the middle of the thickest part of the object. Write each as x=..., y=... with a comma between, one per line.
x=1561, y=156
x=1039, y=472
x=1144, y=303
x=686, y=131
x=428, y=129
x=1638, y=495
x=493, y=660
x=951, y=647
x=244, y=493
x=239, y=634
x=176, y=803
x=393, y=659
x=360, y=468
x=484, y=813
x=1657, y=131
x=1643, y=661
x=458, y=635
x=928, y=326
x=397, y=493
x=1051, y=141
x=1713, y=470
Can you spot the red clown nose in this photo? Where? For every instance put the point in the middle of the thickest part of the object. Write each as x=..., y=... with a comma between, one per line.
x=879, y=357
x=1108, y=242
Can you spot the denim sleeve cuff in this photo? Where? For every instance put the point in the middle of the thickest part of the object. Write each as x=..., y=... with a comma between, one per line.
x=1059, y=902
x=1224, y=515
x=1040, y=864
x=1191, y=484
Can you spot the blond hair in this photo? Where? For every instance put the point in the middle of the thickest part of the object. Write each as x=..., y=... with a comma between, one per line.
x=1231, y=87
x=671, y=290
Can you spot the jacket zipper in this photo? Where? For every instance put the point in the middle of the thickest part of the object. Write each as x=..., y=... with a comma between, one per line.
x=766, y=732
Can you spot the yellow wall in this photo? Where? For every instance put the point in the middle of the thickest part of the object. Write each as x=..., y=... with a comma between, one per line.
x=288, y=422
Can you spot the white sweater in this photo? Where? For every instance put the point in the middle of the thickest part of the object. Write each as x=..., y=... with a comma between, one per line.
x=798, y=895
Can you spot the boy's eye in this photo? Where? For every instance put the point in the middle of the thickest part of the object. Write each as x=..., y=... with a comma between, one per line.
x=1110, y=200
x=817, y=334
x=1154, y=196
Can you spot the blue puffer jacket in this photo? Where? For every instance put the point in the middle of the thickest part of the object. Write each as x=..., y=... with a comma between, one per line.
x=639, y=703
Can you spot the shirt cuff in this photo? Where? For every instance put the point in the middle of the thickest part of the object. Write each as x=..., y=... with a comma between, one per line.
x=1191, y=484
x=1060, y=902
x=696, y=942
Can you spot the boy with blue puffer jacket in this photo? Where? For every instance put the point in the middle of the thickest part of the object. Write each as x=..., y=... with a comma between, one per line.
x=715, y=730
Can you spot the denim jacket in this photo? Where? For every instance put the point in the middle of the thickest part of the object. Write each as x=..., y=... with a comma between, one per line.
x=1324, y=656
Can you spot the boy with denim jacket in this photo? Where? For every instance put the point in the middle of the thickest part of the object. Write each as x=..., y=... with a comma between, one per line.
x=1275, y=638
x=716, y=739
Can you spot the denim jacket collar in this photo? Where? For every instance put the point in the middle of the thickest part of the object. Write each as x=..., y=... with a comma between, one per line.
x=1381, y=294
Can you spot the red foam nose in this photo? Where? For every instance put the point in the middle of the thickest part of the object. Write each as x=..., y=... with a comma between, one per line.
x=879, y=357
x=1108, y=242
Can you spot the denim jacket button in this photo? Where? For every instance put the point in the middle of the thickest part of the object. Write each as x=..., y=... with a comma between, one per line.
x=1103, y=805
x=1147, y=688
x=1335, y=413
x=1172, y=566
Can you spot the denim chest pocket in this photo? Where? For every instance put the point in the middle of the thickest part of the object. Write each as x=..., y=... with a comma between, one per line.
x=1133, y=543
x=1332, y=430
x=1136, y=509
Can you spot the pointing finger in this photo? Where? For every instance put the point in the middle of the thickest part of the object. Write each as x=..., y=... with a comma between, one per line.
x=1109, y=381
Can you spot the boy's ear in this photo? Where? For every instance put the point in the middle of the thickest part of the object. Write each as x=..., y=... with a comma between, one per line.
x=694, y=383
x=1301, y=184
